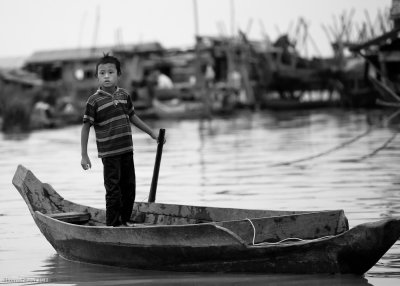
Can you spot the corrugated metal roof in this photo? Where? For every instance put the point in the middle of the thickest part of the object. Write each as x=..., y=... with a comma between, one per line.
x=81, y=54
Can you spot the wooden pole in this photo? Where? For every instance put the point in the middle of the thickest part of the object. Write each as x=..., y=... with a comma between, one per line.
x=232, y=10
x=196, y=18
x=154, y=181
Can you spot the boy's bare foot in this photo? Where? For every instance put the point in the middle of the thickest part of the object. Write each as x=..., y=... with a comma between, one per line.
x=127, y=224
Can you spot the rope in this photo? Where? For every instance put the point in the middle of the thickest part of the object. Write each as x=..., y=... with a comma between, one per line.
x=283, y=240
x=391, y=117
x=325, y=152
x=373, y=153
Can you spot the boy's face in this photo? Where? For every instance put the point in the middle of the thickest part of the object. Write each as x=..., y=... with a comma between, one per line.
x=107, y=75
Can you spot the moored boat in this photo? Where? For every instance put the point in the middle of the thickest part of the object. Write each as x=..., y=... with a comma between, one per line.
x=178, y=109
x=193, y=238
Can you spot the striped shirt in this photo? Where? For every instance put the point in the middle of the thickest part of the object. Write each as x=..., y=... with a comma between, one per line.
x=109, y=114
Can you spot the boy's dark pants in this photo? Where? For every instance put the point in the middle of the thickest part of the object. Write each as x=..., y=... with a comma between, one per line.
x=120, y=184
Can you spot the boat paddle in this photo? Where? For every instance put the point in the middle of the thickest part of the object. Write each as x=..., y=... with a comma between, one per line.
x=153, y=188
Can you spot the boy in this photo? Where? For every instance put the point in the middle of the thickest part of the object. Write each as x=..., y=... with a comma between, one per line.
x=110, y=111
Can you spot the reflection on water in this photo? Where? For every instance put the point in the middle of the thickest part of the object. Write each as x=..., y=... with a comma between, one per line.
x=310, y=160
x=62, y=271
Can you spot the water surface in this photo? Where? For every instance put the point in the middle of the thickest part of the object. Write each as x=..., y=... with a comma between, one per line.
x=310, y=160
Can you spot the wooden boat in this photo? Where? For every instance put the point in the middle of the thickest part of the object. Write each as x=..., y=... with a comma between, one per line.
x=178, y=109
x=191, y=238
x=293, y=104
x=190, y=109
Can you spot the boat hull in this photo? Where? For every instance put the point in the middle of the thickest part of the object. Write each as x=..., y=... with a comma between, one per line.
x=209, y=248
x=190, y=238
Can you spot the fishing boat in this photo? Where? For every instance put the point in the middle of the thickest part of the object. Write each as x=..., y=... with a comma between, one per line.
x=194, y=238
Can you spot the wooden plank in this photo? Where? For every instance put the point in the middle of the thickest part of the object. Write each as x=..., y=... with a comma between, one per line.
x=301, y=226
x=71, y=217
x=201, y=235
x=200, y=214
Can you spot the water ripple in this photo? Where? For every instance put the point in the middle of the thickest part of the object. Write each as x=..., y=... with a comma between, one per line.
x=310, y=160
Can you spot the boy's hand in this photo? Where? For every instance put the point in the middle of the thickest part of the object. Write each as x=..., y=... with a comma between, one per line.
x=155, y=137
x=85, y=163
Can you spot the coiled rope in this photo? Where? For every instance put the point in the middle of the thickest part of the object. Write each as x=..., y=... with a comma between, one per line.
x=283, y=240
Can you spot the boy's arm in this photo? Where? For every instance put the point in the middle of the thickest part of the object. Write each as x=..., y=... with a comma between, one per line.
x=85, y=161
x=143, y=126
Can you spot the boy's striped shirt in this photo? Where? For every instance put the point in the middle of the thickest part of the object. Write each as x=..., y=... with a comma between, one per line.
x=109, y=114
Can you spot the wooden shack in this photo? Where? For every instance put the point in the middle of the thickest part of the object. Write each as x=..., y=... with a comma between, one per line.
x=72, y=71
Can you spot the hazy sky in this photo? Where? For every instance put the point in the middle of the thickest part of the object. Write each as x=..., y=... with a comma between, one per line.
x=32, y=25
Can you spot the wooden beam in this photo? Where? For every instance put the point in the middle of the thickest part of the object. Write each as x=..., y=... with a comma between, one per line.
x=71, y=217
x=377, y=41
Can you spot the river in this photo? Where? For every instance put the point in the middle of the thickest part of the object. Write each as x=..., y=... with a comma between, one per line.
x=308, y=160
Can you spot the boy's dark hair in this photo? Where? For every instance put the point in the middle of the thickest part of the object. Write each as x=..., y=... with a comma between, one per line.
x=107, y=59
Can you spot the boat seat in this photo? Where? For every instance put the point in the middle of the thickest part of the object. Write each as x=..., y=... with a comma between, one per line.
x=72, y=217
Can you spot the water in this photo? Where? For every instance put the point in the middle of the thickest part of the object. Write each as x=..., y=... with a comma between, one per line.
x=311, y=160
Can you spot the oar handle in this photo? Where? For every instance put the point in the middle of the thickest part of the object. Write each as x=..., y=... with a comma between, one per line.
x=154, y=181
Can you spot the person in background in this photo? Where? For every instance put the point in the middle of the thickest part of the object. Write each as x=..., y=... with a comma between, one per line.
x=163, y=81
x=110, y=111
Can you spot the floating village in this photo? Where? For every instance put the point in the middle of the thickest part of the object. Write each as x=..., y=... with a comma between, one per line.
x=218, y=75
x=306, y=166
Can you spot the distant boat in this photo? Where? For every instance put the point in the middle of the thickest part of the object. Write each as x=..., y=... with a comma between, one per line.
x=187, y=109
x=176, y=108
x=190, y=238
x=293, y=104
